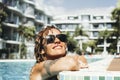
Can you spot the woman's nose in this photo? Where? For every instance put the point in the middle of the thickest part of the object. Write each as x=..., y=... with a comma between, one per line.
x=57, y=40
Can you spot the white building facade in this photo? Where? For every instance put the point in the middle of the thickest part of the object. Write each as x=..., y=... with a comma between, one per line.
x=27, y=12
x=92, y=20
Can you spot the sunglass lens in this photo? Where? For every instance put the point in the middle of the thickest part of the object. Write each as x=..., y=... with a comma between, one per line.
x=50, y=39
x=62, y=37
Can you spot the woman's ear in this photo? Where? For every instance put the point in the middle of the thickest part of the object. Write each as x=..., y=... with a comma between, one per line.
x=42, y=52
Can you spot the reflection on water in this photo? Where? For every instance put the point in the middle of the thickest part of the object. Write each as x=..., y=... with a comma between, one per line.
x=20, y=70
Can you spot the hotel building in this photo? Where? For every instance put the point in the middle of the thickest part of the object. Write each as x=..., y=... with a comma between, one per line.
x=33, y=13
x=27, y=12
x=92, y=21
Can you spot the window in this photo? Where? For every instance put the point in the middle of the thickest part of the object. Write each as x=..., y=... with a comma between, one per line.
x=109, y=26
x=72, y=17
x=97, y=17
x=95, y=34
x=95, y=26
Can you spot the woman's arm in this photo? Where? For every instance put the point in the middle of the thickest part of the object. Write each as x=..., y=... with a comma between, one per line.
x=51, y=68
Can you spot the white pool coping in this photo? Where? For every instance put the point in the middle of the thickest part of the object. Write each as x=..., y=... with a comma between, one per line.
x=98, y=68
x=100, y=65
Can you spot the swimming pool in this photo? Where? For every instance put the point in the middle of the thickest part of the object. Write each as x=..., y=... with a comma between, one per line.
x=15, y=70
x=93, y=59
x=20, y=69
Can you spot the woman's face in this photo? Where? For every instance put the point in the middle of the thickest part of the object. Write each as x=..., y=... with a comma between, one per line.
x=55, y=49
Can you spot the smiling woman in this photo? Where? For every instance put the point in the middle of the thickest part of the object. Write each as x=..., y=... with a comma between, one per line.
x=51, y=58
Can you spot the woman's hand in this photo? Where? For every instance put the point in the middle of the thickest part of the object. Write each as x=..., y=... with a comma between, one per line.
x=83, y=62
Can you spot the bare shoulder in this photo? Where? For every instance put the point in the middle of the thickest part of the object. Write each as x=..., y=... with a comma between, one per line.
x=35, y=73
x=37, y=67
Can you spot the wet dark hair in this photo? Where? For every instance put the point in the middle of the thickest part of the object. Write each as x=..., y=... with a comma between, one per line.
x=39, y=43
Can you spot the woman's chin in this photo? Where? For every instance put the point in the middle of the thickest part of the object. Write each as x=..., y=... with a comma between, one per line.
x=57, y=56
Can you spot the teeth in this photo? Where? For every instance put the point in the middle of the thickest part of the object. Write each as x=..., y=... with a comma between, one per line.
x=58, y=47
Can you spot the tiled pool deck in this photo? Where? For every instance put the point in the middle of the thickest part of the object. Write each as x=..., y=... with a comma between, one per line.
x=114, y=65
x=96, y=71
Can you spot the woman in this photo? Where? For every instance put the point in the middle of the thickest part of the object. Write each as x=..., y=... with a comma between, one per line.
x=50, y=53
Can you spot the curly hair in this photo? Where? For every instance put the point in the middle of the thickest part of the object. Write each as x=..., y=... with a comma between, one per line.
x=39, y=43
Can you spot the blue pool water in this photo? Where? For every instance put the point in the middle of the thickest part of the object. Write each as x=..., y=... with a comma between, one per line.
x=90, y=60
x=15, y=70
x=20, y=70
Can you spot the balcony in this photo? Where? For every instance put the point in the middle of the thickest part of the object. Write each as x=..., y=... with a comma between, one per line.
x=29, y=1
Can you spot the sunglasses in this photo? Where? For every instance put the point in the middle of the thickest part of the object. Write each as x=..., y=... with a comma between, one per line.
x=51, y=38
